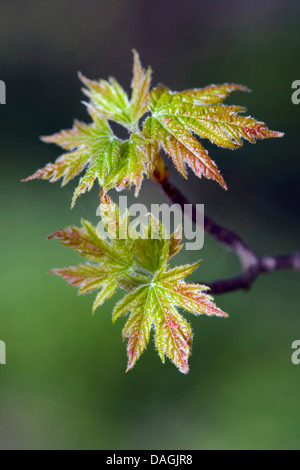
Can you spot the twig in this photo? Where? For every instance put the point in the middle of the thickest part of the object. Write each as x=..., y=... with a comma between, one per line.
x=252, y=264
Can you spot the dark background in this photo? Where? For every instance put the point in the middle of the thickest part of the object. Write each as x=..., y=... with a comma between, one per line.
x=64, y=384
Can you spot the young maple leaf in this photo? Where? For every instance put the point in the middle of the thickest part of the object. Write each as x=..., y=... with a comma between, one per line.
x=111, y=100
x=138, y=263
x=131, y=167
x=174, y=123
x=113, y=259
x=91, y=145
x=178, y=117
x=110, y=160
x=154, y=303
x=140, y=89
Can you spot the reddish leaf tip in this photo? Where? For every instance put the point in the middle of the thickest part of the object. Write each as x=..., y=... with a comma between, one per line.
x=36, y=175
x=129, y=367
x=277, y=134
x=28, y=178
x=48, y=138
x=55, y=271
x=185, y=369
x=55, y=234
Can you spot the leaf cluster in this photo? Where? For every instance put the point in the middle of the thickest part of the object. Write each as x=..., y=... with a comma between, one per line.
x=137, y=261
x=157, y=119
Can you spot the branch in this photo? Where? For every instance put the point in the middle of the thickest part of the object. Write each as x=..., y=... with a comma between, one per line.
x=264, y=264
x=252, y=264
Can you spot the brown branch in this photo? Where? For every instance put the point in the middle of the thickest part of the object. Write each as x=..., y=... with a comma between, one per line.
x=252, y=264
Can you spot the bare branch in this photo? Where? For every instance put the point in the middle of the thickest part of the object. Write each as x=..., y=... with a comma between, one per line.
x=252, y=264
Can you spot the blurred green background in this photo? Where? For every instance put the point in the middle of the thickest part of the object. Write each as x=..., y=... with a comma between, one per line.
x=64, y=384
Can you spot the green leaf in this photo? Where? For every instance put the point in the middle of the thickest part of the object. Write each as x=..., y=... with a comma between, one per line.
x=140, y=89
x=178, y=117
x=86, y=276
x=113, y=261
x=181, y=146
x=131, y=166
x=155, y=304
x=138, y=264
x=137, y=328
x=212, y=94
x=96, y=148
x=108, y=289
x=109, y=98
x=173, y=335
x=175, y=123
x=152, y=249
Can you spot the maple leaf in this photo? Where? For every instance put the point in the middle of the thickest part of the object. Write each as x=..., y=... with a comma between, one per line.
x=92, y=145
x=115, y=163
x=138, y=264
x=113, y=259
x=175, y=124
x=178, y=117
x=131, y=166
x=107, y=158
x=140, y=89
x=154, y=303
x=111, y=100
